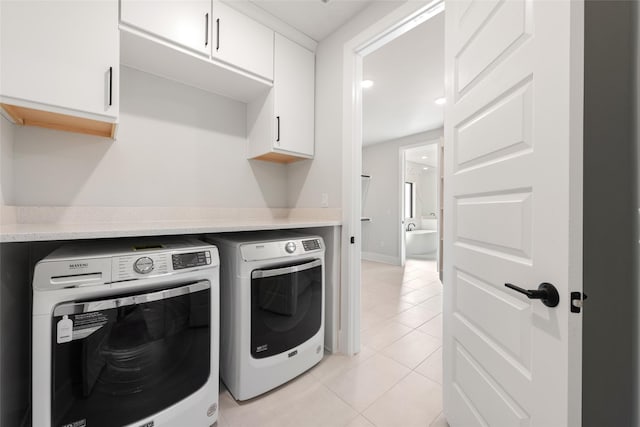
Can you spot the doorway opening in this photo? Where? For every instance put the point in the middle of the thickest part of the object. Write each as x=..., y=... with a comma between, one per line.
x=363, y=47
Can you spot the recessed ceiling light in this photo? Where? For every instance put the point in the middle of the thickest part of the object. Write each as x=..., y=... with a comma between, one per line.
x=424, y=157
x=425, y=169
x=366, y=84
x=440, y=101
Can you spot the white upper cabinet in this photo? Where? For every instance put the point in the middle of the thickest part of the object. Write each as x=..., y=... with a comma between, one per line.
x=280, y=126
x=241, y=41
x=59, y=64
x=186, y=23
x=294, y=96
x=200, y=43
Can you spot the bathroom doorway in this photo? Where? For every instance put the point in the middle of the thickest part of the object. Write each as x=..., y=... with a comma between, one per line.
x=421, y=189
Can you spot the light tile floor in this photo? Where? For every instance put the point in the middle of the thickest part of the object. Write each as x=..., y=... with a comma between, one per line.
x=394, y=381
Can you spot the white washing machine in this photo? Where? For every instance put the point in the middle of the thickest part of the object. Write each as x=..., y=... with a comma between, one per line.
x=125, y=333
x=272, y=308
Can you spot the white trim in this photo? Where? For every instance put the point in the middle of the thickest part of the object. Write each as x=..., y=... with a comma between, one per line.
x=376, y=257
x=576, y=206
x=403, y=237
x=365, y=42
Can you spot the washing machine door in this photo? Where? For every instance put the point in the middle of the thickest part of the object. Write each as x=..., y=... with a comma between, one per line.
x=286, y=307
x=120, y=360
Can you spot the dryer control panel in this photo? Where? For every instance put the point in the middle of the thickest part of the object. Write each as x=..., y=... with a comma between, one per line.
x=281, y=248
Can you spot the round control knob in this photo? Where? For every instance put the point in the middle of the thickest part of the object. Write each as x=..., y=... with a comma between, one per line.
x=290, y=247
x=143, y=265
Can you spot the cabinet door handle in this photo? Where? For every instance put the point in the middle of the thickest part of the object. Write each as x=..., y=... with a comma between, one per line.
x=110, y=86
x=206, y=29
x=278, y=129
x=218, y=34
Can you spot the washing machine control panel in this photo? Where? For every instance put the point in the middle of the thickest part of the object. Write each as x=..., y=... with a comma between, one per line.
x=143, y=265
x=137, y=266
x=290, y=247
x=311, y=245
x=192, y=259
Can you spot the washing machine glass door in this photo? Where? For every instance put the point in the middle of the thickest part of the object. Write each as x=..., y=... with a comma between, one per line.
x=286, y=307
x=117, y=361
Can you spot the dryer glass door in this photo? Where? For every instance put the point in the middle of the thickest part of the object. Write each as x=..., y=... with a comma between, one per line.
x=286, y=307
x=118, y=361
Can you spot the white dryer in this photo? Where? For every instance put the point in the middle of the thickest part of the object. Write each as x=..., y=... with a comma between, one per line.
x=272, y=308
x=125, y=333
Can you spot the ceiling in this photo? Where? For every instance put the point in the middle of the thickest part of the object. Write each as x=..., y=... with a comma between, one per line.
x=315, y=18
x=408, y=76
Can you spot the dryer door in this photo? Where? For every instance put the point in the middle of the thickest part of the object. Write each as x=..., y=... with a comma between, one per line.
x=286, y=307
x=120, y=360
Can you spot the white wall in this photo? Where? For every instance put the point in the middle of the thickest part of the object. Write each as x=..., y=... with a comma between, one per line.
x=7, y=136
x=308, y=180
x=381, y=236
x=176, y=146
x=195, y=145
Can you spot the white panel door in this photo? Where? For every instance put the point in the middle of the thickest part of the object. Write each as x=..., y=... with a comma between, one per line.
x=513, y=185
x=184, y=22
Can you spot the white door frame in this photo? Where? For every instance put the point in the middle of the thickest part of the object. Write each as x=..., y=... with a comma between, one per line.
x=399, y=21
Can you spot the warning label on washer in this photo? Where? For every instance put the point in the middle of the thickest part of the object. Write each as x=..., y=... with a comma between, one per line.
x=89, y=320
x=80, y=326
x=79, y=423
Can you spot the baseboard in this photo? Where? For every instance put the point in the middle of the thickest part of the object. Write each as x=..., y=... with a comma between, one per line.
x=375, y=257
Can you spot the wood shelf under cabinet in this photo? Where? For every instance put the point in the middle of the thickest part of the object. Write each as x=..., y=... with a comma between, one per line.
x=24, y=116
x=279, y=158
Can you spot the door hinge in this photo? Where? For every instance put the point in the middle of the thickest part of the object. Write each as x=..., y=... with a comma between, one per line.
x=352, y=240
x=577, y=301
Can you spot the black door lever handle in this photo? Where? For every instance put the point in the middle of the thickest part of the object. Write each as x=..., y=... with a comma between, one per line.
x=545, y=292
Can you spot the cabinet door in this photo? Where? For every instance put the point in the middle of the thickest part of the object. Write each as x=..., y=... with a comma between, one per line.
x=241, y=41
x=63, y=54
x=294, y=81
x=184, y=22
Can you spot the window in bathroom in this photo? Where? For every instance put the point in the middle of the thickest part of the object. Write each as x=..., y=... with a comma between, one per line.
x=409, y=200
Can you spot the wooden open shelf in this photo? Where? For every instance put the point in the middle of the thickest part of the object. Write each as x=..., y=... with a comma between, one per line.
x=46, y=119
x=279, y=158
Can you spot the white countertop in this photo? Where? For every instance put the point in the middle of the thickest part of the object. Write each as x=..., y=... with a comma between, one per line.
x=29, y=224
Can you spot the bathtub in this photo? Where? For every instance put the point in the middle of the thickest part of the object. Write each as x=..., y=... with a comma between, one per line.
x=423, y=243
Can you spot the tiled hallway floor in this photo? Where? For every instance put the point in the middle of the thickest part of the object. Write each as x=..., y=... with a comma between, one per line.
x=394, y=381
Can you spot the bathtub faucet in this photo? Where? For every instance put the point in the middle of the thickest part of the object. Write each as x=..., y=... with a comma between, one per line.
x=409, y=228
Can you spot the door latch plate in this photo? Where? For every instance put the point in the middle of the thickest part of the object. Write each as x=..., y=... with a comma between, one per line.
x=577, y=301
